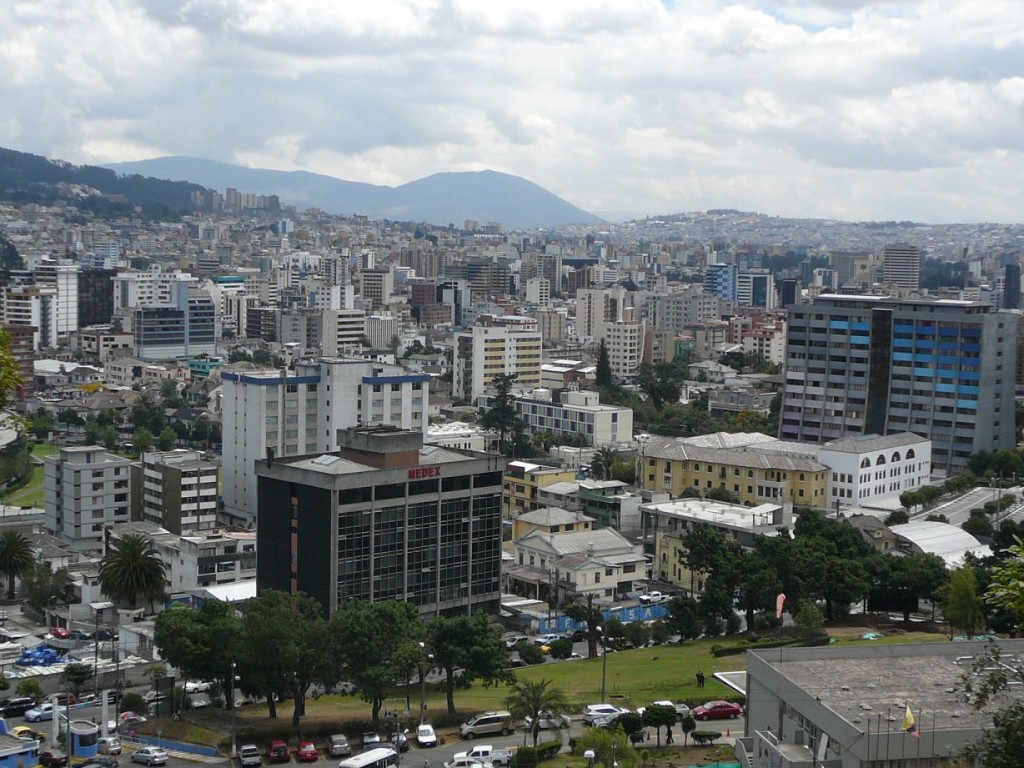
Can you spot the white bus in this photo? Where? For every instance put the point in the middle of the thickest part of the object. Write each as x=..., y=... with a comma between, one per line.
x=378, y=757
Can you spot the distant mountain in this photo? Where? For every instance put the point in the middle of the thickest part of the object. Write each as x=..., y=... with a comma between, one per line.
x=31, y=178
x=444, y=198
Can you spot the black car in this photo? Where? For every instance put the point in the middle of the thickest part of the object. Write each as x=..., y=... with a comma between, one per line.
x=578, y=635
x=17, y=707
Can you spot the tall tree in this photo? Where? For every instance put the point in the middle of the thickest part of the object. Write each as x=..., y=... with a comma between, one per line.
x=960, y=602
x=530, y=698
x=131, y=569
x=472, y=644
x=201, y=642
x=366, y=638
x=1001, y=745
x=502, y=416
x=587, y=613
x=40, y=584
x=10, y=377
x=282, y=648
x=603, y=375
x=603, y=462
x=1007, y=586
x=16, y=557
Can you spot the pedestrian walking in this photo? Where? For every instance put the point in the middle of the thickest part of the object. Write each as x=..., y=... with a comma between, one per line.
x=668, y=735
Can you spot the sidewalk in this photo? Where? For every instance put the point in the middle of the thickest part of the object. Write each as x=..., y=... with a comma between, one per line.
x=129, y=746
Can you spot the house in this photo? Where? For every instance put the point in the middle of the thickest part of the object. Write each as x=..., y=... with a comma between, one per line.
x=550, y=520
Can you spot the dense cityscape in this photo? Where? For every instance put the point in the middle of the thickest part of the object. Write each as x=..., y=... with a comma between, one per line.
x=289, y=455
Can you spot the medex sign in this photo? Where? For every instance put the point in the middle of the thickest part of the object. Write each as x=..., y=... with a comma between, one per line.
x=420, y=473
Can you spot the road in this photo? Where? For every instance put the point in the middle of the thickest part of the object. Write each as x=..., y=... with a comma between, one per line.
x=958, y=510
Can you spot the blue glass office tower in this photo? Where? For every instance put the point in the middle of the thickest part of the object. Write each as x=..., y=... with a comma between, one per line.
x=941, y=369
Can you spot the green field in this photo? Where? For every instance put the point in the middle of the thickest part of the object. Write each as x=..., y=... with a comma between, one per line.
x=31, y=494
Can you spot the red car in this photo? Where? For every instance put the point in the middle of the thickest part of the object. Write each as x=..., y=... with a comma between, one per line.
x=52, y=758
x=277, y=752
x=307, y=753
x=60, y=633
x=718, y=710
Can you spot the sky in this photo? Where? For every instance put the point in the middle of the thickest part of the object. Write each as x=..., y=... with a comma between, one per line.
x=811, y=108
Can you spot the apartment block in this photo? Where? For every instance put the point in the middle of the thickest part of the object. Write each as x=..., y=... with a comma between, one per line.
x=176, y=490
x=281, y=414
x=942, y=369
x=573, y=413
x=85, y=489
x=486, y=352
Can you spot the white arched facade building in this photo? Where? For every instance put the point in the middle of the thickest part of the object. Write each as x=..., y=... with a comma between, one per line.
x=868, y=468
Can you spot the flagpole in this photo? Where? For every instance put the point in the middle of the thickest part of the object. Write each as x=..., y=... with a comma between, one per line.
x=933, y=731
x=869, y=739
x=878, y=736
x=920, y=716
x=888, y=727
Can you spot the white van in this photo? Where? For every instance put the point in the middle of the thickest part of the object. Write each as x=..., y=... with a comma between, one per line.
x=486, y=723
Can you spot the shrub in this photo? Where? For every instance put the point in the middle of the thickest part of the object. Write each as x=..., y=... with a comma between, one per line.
x=703, y=738
x=548, y=749
x=525, y=757
x=530, y=653
x=561, y=649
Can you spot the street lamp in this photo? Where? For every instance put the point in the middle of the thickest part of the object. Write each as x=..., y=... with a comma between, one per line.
x=604, y=661
x=423, y=681
x=234, y=743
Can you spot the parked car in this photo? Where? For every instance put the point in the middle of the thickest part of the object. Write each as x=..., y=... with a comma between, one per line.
x=107, y=635
x=681, y=709
x=109, y=745
x=17, y=706
x=338, y=746
x=593, y=711
x=307, y=752
x=512, y=642
x=400, y=743
x=25, y=733
x=52, y=758
x=371, y=737
x=653, y=597
x=249, y=755
x=128, y=722
x=488, y=755
x=464, y=762
x=196, y=686
x=39, y=712
x=487, y=722
x=60, y=633
x=80, y=634
x=609, y=722
x=547, y=639
x=578, y=635
x=149, y=756
x=425, y=736
x=64, y=698
x=717, y=710
x=151, y=697
x=548, y=719
x=277, y=752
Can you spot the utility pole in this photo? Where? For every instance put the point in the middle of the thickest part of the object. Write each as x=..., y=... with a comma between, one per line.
x=96, y=658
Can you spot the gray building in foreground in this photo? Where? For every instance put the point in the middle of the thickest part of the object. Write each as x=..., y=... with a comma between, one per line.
x=85, y=489
x=844, y=706
x=942, y=369
x=383, y=518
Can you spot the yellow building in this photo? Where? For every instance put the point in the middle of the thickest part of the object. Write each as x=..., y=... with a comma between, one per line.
x=521, y=482
x=756, y=469
x=550, y=520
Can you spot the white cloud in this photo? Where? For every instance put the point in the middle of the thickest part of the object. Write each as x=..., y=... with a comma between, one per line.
x=887, y=110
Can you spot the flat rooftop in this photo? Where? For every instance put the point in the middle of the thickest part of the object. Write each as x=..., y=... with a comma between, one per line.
x=875, y=684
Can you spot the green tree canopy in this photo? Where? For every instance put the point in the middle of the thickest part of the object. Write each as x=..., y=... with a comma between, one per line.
x=530, y=698
x=502, y=416
x=603, y=375
x=132, y=569
x=200, y=642
x=960, y=602
x=471, y=643
x=16, y=557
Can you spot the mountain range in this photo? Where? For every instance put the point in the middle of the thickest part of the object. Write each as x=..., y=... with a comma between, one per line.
x=440, y=199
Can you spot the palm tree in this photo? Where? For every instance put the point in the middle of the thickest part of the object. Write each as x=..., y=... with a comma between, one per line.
x=16, y=557
x=131, y=569
x=603, y=461
x=532, y=699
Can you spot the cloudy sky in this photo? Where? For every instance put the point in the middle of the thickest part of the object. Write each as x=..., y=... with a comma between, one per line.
x=826, y=108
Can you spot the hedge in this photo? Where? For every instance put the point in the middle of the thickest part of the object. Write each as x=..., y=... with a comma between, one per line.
x=703, y=738
x=806, y=642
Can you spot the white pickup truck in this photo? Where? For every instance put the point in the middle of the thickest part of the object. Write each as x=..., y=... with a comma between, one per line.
x=653, y=597
x=486, y=754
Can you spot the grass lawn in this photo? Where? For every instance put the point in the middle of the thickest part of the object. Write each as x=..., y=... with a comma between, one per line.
x=31, y=494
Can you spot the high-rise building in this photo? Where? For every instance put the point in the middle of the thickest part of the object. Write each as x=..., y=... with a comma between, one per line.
x=901, y=266
x=790, y=291
x=383, y=518
x=176, y=490
x=624, y=341
x=720, y=280
x=95, y=297
x=674, y=311
x=35, y=306
x=755, y=289
x=1011, y=287
x=290, y=414
x=376, y=286
x=85, y=489
x=485, y=352
x=871, y=364
x=187, y=328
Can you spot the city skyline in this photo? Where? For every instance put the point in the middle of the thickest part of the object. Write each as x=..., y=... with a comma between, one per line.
x=832, y=109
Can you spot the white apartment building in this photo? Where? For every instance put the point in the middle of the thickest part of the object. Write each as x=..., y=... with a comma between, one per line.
x=596, y=307
x=552, y=323
x=33, y=305
x=291, y=414
x=624, y=341
x=486, y=352
x=148, y=289
x=85, y=489
x=381, y=329
x=178, y=490
x=63, y=277
x=578, y=413
x=538, y=291
x=343, y=331
x=756, y=289
x=868, y=468
x=376, y=286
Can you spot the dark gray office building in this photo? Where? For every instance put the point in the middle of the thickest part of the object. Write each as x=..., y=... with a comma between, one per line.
x=383, y=518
